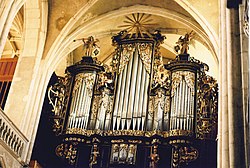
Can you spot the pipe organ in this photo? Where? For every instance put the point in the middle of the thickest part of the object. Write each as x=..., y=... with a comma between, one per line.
x=136, y=102
x=131, y=89
x=81, y=100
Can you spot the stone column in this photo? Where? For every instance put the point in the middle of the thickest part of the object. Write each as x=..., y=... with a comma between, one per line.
x=26, y=94
x=235, y=101
x=244, y=42
x=231, y=144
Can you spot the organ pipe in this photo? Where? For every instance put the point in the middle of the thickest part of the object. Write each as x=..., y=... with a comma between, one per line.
x=131, y=99
x=183, y=84
x=136, y=95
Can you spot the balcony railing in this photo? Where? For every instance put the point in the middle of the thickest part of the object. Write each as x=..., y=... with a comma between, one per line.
x=11, y=137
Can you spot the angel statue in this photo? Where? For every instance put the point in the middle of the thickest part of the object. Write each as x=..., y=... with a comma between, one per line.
x=90, y=46
x=183, y=43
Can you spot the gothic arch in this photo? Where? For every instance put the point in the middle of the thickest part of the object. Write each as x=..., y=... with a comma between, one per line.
x=11, y=8
x=59, y=50
x=26, y=73
x=35, y=97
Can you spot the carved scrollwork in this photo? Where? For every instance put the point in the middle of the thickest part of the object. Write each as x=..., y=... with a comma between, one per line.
x=95, y=106
x=246, y=18
x=183, y=154
x=161, y=75
x=126, y=55
x=167, y=105
x=189, y=78
x=135, y=133
x=88, y=79
x=154, y=154
x=95, y=153
x=105, y=79
x=67, y=151
x=56, y=95
x=151, y=106
x=180, y=133
x=115, y=61
x=145, y=51
x=207, y=107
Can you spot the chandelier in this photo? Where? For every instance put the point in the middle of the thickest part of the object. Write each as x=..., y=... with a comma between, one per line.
x=135, y=101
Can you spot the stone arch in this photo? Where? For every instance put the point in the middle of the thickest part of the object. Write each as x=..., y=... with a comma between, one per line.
x=7, y=17
x=59, y=50
x=29, y=97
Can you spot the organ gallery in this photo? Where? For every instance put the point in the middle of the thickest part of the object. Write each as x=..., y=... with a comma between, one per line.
x=136, y=111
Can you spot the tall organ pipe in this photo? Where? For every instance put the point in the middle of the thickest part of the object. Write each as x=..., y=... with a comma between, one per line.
x=131, y=97
x=132, y=87
x=182, y=111
x=83, y=79
x=134, y=107
x=131, y=94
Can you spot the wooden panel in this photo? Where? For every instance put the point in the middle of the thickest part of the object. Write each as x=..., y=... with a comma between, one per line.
x=7, y=69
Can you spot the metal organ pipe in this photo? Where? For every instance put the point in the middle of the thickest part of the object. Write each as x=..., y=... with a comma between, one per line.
x=188, y=108
x=109, y=107
x=81, y=101
x=120, y=103
x=125, y=111
x=131, y=95
x=117, y=100
x=192, y=110
x=141, y=97
x=77, y=100
x=177, y=107
x=182, y=103
x=145, y=100
x=134, y=107
x=185, y=107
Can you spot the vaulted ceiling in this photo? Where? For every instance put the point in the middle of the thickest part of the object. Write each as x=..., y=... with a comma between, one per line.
x=69, y=21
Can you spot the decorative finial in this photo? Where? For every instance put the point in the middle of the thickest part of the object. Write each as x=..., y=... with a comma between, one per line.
x=182, y=46
x=90, y=46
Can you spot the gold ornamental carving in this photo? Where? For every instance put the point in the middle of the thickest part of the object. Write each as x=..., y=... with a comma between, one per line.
x=67, y=151
x=126, y=55
x=207, y=105
x=88, y=79
x=187, y=76
x=180, y=133
x=183, y=155
x=145, y=52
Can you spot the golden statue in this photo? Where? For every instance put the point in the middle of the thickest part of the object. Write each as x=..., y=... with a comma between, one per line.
x=90, y=46
x=183, y=43
x=154, y=157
